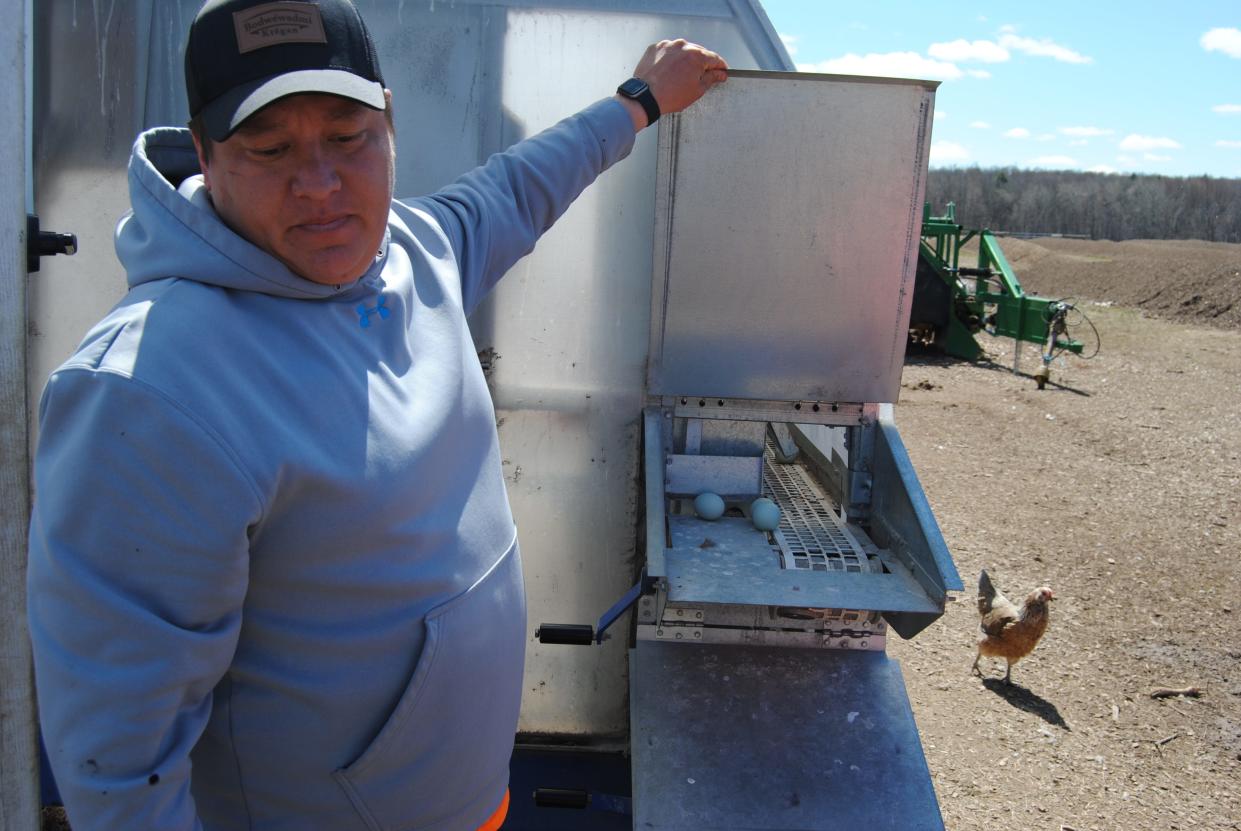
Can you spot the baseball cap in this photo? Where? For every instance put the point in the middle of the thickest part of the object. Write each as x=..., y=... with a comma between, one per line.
x=243, y=55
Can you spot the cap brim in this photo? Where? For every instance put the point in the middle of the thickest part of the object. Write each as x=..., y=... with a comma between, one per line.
x=225, y=114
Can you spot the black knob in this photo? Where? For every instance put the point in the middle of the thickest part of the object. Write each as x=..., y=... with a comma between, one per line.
x=576, y=634
x=45, y=243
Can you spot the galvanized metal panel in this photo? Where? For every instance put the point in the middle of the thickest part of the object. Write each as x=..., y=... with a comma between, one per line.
x=19, y=758
x=788, y=213
x=569, y=323
x=720, y=437
x=729, y=476
x=747, y=737
x=728, y=561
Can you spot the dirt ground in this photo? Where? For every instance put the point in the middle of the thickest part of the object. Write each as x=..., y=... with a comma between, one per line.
x=1119, y=486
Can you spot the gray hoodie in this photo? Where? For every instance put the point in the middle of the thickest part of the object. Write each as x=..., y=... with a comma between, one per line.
x=271, y=540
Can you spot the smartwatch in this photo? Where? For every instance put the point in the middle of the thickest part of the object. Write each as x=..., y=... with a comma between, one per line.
x=637, y=90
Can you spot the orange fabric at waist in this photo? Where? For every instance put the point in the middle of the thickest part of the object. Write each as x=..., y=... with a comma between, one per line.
x=494, y=822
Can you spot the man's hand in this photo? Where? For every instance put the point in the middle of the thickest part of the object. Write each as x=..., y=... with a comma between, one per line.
x=678, y=73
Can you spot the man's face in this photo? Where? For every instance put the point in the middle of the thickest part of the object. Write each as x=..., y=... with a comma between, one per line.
x=308, y=179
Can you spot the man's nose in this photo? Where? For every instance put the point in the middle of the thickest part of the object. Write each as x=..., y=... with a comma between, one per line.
x=316, y=176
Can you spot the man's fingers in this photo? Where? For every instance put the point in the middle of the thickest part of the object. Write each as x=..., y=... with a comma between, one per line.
x=679, y=72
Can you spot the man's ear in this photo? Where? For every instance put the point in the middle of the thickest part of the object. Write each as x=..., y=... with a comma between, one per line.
x=202, y=160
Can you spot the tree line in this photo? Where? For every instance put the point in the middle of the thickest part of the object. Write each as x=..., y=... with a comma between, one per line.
x=1096, y=205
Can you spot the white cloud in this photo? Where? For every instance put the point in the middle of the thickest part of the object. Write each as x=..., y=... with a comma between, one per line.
x=1227, y=41
x=1155, y=157
x=1053, y=161
x=1017, y=132
x=980, y=125
x=948, y=152
x=1045, y=137
x=790, y=44
x=1079, y=142
x=1085, y=132
x=1042, y=48
x=978, y=73
x=1235, y=145
x=888, y=64
x=1226, y=109
x=1101, y=168
x=965, y=50
x=1133, y=142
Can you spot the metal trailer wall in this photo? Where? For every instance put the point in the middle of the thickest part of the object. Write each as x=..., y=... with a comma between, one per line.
x=19, y=791
x=564, y=337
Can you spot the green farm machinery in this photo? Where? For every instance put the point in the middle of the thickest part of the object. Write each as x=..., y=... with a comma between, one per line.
x=953, y=303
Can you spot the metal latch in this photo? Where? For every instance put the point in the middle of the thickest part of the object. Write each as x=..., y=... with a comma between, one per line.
x=45, y=243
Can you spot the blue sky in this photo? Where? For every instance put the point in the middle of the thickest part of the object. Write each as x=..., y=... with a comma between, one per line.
x=1139, y=86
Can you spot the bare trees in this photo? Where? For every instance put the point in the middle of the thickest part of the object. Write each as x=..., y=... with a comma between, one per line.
x=1102, y=206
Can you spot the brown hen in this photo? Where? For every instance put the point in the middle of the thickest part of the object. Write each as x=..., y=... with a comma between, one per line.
x=1009, y=632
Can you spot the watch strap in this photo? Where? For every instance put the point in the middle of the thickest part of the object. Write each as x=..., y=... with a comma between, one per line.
x=637, y=90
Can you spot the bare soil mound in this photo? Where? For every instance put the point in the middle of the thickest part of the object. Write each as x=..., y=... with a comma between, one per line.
x=1184, y=280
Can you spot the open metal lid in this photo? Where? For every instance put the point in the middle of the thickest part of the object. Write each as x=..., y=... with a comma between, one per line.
x=787, y=220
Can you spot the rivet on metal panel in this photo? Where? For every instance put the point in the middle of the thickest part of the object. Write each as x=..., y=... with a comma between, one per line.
x=797, y=406
x=719, y=403
x=698, y=615
x=702, y=402
x=864, y=644
x=697, y=635
x=680, y=612
x=679, y=636
x=683, y=401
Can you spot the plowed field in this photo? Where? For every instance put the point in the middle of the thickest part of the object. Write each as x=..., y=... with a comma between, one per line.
x=1120, y=487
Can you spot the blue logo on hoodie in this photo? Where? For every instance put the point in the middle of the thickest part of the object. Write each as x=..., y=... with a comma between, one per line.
x=364, y=314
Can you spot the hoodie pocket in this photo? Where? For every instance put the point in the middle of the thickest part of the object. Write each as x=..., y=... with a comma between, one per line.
x=443, y=754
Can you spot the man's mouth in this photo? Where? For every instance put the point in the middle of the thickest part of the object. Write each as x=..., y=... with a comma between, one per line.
x=326, y=224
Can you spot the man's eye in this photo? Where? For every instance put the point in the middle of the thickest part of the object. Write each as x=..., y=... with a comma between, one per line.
x=267, y=152
x=349, y=138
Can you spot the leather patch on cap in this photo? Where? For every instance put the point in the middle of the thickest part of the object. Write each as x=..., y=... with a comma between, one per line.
x=273, y=23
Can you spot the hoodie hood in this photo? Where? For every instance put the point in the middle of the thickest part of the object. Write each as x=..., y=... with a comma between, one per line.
x=173, y=230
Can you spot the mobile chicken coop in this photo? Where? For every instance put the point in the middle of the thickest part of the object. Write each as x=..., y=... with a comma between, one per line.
x=726, y=311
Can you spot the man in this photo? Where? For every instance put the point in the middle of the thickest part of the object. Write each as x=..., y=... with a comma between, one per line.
x=274, y=580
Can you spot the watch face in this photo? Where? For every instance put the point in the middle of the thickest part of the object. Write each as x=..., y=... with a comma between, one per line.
x=633, y=87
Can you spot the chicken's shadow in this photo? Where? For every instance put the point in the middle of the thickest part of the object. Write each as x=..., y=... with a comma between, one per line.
x=1024, y=699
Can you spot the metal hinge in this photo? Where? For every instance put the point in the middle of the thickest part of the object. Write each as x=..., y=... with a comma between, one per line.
x=678, y=632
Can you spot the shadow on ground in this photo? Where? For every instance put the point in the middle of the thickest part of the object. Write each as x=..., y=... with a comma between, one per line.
x=1024, y=699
